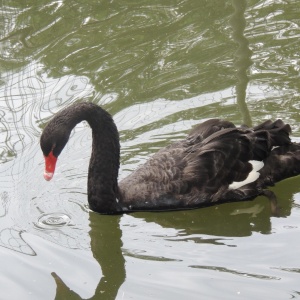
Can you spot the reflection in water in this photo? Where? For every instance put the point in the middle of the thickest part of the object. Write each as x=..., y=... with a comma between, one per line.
x=106, y=245
x=212, y=225
x=242, y=60
x=10, y=237
x=41, y=97
x=217, y=222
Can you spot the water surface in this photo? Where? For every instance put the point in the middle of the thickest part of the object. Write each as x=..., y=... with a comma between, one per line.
x=158, y=68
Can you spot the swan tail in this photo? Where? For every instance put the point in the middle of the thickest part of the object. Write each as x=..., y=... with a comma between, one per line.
x=266, y=136
x=283, y=162
x=278, y=132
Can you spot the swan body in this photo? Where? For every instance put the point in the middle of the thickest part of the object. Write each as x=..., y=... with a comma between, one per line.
x=212, y=165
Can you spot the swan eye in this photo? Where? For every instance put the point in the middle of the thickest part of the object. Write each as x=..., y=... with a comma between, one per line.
x=57, y=149
x=46, y=147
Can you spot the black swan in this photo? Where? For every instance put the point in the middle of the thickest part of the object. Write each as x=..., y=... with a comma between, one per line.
x=210, y=166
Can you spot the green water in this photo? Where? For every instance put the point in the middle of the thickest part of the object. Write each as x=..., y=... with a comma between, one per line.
x=159, y=67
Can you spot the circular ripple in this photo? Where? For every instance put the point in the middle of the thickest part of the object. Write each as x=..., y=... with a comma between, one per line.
x=52, y=221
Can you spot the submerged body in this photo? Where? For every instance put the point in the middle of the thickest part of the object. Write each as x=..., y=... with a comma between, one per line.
x=212, y=165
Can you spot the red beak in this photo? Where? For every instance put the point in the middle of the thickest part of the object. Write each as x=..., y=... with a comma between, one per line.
x=50, y=163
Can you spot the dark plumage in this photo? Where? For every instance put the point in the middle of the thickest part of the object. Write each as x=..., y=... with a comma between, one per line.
x=191, y=173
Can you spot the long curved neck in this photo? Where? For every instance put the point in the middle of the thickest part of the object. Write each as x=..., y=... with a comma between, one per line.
x=105, y=158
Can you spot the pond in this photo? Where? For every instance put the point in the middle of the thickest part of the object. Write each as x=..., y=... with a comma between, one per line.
x=159, y=67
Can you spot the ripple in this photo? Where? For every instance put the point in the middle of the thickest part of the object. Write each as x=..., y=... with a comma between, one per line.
x=136, y=254
x=53, y=220
x=235, y=272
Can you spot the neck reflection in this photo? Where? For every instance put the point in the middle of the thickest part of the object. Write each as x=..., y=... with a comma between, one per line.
x=106, y=246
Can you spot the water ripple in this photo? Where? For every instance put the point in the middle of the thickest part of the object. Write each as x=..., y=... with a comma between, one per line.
x=21, y=109
x=235, y=272
x=53, y=221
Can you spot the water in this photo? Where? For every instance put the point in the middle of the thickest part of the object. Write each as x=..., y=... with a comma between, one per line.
x=158, y=68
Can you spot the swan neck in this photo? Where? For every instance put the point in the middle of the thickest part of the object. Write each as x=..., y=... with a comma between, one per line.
x=104, y=161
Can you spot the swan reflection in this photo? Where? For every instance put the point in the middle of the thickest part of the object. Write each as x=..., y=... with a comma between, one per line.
x=106, y=245
x=114, y=239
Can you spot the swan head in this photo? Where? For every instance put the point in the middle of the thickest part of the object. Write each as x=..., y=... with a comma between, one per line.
x=52, y=142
